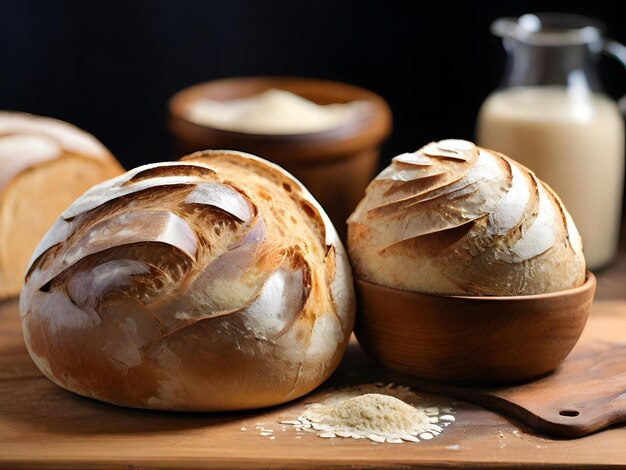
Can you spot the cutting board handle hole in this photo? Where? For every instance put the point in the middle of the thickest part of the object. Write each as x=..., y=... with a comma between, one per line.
x=569, y=413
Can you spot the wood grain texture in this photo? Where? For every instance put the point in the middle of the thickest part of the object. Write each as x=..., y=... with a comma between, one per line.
x=585, y=394
x=471, y=339
x=43, y=426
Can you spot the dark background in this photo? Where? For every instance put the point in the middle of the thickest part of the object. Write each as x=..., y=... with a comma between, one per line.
x=110, y=67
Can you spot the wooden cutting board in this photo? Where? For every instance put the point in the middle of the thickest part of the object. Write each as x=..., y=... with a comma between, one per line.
x=43, y=426
x=586, y=394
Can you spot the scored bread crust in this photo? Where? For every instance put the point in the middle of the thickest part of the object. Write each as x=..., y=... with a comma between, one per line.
x=212, y=283
x=44, y=165
x=453, y=218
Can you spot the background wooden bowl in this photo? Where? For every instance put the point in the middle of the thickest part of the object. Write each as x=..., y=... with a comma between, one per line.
x=336, y=165
x=471, y=339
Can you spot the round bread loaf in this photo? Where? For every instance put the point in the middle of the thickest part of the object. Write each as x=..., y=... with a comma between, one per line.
x=453, y=218
x=44, y=165
x=212, y=283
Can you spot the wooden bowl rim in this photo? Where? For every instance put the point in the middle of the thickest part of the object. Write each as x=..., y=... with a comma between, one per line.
x=589, y=284
x=357, y=126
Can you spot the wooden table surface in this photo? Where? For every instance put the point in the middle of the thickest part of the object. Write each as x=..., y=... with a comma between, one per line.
x=43, y=426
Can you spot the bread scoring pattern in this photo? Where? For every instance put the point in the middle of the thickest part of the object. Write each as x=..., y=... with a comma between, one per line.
x=453, y=218
x=35, y=153
x=185, y=285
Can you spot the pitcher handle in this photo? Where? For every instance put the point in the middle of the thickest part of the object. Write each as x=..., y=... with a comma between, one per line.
x=617, y=51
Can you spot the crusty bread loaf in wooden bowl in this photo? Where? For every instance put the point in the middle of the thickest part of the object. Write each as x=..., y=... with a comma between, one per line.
x=44, y=165
x=468, y=267
x=212, y=283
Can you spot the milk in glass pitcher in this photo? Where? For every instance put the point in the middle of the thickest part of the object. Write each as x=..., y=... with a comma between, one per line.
x=551, y=115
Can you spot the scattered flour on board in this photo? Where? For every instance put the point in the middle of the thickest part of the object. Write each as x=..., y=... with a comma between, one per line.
x=391, y=414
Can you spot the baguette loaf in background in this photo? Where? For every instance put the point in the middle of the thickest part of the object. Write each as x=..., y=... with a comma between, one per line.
x=44, y=165
x=453, y=218
x=213, y=283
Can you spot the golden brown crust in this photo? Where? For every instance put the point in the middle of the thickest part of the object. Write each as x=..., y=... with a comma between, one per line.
x=214, y=283
x=453, y=218
x=44, y=165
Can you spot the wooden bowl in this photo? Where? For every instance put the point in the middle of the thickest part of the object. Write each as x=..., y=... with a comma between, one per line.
x=335, y=165
x=471, y=339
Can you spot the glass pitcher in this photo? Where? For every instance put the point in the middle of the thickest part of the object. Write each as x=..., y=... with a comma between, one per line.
x=551, y=115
